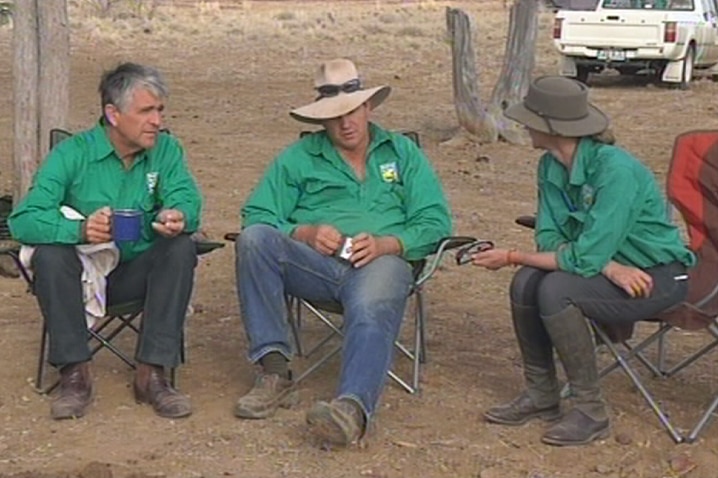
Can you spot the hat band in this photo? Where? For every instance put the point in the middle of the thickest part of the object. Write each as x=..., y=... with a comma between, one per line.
x=547, y=119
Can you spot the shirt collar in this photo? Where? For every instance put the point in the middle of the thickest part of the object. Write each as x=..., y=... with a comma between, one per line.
x=101, y=145
x=579, y=168
x=581, y=159
x=100, y=142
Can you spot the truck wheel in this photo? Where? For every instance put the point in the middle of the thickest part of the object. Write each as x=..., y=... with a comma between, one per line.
x=582, y=73
x=688, y=63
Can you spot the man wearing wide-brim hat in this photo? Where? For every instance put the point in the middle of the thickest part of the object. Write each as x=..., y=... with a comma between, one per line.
x=336, y=217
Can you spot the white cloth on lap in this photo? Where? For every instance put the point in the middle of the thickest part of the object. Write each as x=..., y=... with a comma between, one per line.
x=98, y=260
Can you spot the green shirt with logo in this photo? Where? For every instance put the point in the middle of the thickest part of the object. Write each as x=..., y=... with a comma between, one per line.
x=309, y=183
x=608, y=207
x=85, y=173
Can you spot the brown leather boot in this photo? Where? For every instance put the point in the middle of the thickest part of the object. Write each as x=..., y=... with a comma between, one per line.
x=151, y=387
x=75, y=392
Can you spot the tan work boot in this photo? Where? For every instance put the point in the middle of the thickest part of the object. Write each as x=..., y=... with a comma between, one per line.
x=270, y=392
x=339, y=422
x=152, y=387
x=75, y=392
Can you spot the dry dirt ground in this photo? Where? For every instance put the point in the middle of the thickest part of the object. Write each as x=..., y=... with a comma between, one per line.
x=235, y=70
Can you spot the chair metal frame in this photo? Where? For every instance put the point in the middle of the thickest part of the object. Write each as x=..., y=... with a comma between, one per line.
x=416, y=352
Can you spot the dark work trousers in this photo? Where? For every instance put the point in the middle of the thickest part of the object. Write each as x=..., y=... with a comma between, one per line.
x=597, y=297
x=162, y=276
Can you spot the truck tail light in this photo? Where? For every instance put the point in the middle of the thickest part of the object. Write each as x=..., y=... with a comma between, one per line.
x=557, y=28
x=670, y=32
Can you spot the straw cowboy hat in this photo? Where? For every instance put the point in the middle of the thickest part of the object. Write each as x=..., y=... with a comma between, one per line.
x=559, y=106
x=340, y=92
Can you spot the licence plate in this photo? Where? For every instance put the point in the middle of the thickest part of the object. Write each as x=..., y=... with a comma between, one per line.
x=612, y=55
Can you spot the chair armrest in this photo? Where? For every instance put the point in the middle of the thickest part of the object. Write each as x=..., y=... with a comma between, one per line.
x=445, y=244
x=204, y=247
x=231, y=236
x=526, y=221
x=9, y=247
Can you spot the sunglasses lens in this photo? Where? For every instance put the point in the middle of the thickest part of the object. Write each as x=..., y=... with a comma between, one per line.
x=351, y=86
x=327, y=91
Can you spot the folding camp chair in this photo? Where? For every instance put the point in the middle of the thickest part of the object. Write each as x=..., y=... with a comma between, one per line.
x=422, y=271
x=329, y=313
x=692, y=188
x=118, y=317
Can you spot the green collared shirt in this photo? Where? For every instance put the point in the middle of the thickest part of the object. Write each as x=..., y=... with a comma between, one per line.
x=608, y=208
x=309, y=183
x=85, y=173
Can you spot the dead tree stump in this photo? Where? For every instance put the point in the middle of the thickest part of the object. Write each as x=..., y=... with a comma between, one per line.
x=488, y=122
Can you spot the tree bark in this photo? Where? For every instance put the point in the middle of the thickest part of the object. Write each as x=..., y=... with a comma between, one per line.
x=467, y=102
x=519, y=59
x=54, y=85
x=25, y=86
x=488, y=122
x=41, y=77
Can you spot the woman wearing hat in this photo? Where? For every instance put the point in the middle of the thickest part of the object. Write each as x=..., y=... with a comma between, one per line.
x=605, y=249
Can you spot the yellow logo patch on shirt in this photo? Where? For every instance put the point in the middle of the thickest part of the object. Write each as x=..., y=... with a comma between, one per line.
x=152, y=182
x=389, y=172
x=587, y=196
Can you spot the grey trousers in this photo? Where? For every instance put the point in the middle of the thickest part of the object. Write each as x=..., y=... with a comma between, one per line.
x=162, y=277
x=597, y=297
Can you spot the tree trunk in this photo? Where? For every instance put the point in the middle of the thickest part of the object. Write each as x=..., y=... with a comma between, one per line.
x=489, y=122
x=25, y=86
x=467, y=102
x=41, y=78
x=519, y=59
x=54, y=87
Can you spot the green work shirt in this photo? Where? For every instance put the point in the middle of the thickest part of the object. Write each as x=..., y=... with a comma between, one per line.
x=310, y=183
x=85, y=173
x=608, y=208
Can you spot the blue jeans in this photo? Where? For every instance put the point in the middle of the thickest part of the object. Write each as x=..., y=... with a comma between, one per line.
x=270, y=264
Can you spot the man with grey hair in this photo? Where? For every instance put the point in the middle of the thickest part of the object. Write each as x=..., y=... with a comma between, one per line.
x=124, y=163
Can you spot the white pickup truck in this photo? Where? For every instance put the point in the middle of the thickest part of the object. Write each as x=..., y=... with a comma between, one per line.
x=664, y=38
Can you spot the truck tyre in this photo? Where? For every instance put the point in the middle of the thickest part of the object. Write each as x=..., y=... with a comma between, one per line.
x=582, y=73
x=688, y=63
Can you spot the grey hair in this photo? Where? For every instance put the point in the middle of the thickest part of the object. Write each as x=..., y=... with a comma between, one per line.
x=117, y=86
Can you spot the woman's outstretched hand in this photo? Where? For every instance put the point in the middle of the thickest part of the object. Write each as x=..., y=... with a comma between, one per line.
x=492, y=259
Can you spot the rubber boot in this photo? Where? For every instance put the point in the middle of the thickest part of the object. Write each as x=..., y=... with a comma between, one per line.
x=541, y=399
x=573, y=341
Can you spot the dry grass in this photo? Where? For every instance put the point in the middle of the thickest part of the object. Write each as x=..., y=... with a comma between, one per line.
x=235, y=69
